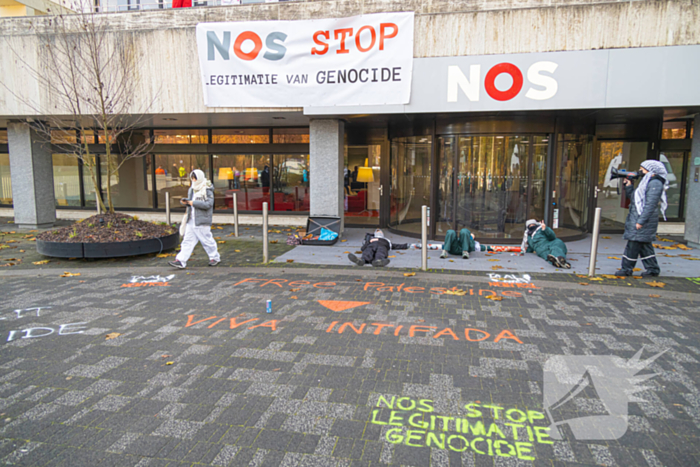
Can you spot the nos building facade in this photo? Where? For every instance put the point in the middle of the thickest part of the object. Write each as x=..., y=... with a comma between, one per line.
x=516, y=112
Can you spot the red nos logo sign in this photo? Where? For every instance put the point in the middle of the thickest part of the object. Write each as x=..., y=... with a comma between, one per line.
x=538, y=74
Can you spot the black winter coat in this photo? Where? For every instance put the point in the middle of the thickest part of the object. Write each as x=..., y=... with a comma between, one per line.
x=649, y=219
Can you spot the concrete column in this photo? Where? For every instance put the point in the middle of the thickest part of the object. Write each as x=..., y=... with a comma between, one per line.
x=31, y=168
x=692, y=207
x=326, y=137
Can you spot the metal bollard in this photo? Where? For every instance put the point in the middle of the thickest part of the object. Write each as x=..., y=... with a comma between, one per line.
x=97, y=202
x=424, y=238
x=167, y=208
x=235, y=214
x=594, y=243
x=264, y=226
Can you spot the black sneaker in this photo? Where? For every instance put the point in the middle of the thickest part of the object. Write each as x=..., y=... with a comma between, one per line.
x=563, y=263
x=622, y=273
x=356, y=260
x=214, y=262
x=465, y=254
x=378, y=263
x=553, y=259
x=650, y=274
x=177, y=264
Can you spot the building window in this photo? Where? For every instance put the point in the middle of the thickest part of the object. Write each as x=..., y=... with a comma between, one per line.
x=66, y=180
x=172, y=175
x=5, y=179
x=242, y=136
x=290, y=135
x=130, y=184
x=63, y=136
x=180, y=136
x=410, y=181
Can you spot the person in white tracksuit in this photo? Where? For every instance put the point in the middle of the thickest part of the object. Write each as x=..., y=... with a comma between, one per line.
x=196, y=225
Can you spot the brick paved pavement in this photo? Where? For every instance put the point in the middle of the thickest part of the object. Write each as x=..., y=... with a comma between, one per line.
x=200, y=375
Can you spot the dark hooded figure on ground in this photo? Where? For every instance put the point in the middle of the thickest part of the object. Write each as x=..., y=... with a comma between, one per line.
x=375, y=250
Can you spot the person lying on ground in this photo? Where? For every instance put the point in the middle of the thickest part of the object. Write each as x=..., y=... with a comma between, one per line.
x=542, y=240
x=459, y=245
x=375, y=250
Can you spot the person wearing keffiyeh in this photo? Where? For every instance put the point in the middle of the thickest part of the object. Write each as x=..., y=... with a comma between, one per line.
x=643, y=219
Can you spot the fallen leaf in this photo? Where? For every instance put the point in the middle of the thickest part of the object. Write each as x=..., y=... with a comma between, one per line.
x=221, y=241
x=582, y=276
x=656, y=284
x=294, y=290
x=41, y=262
x=595, y=279
x=343, y=241
x=217, y=238
x=666, y=240
x=493, y=260
x=358, y=252
x=293, y=297
x=653, y=295
x=273, y=241
x=164, y=356
x=276, y=369
x=496, y=268
x=613, y=257
x=683, y=247
x=636, y=269
x=290, y=260
x=458, y=292
x=112, y=335
x=421, y=321
x=583, y=283
x=69, y=274
x=169, y=363
x=346, y=252
x=609, y=276
x=409, y=274
x=452, y=261
x=495, y=298
x=236, y=251
x=165, y=255
x=693, y=259
x=607, y=238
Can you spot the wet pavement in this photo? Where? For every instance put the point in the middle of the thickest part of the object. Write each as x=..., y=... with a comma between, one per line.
x=149, y=366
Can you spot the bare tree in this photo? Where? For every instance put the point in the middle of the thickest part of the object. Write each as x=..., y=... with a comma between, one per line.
x=90, y=75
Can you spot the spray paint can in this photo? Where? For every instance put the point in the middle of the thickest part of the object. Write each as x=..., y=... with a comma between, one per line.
x=269, y=306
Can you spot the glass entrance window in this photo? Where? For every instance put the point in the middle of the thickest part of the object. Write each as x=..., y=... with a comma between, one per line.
x=172, y=175
x=674, y=162
x=248, y=175
x=611, y=196
x=572, y=183
x=484, y=184
x=290, y=182
x=66, y=180
x=5, y=180
x=361, y=184
x=129, y=181
x=410, y=181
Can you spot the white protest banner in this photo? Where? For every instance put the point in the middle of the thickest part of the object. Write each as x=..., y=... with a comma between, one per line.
x=362, y=60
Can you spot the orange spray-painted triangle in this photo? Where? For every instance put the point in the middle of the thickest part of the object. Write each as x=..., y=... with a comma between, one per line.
x=338, y=305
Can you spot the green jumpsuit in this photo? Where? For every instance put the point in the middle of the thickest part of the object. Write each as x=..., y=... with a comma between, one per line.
x=456, y=245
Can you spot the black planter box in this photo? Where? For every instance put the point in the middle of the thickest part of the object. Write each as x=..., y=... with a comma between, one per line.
x=107, y=250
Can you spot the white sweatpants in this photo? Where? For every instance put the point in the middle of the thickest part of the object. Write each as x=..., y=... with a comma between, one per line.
x=194, y=234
